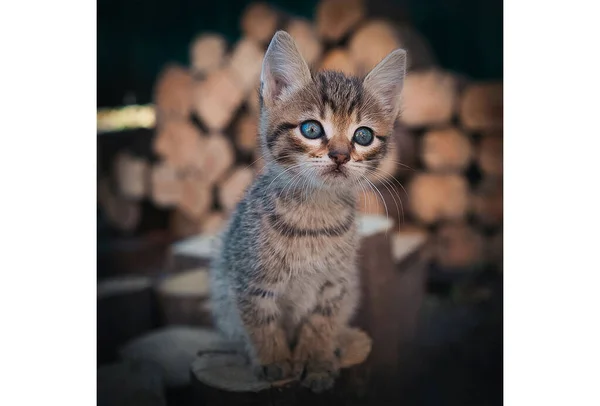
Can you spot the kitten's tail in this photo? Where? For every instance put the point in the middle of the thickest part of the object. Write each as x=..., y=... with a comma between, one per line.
x=354, y=346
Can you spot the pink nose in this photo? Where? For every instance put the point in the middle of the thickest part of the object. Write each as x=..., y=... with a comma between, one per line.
x=338, y=157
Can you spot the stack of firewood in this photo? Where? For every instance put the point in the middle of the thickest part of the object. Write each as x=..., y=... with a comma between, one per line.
x=444, y=174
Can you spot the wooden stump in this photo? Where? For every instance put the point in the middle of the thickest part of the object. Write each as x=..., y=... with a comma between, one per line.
x=376, y=264
x=259, y=22
x=429, y=98
x=245, y=64
x=338, y=60
x=481, y=106
x=207, y=53
x=130, y=383
x=490, y=155
x=371, y=43
x=217, y=98
x=183, y=298
x=193, y=252
x=459, y=247
x=173, y=349
x=224, y=377
x=487, y=202
x=232, y=189
x=446, y=150
x=172, y=94
x=336, y=18
x=125, y=310
x=435, y=197
x=306, y=39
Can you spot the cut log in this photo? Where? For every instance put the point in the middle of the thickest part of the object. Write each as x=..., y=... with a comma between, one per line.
x=217, y=98
x=487, y=202
x=207, y=53
x=196, y=196
x=179, y=143
x=459, y=247
x=494, y=250
x=232, y=189
x=172, y=94
x=481, y=106
x=125, y=310
x=219, y=156
x=122, y=214
x=246, y=133
x=213, y=223
x=338, y=60
x=446, y=150
x=259, y=22
x=183, y=298
x=130, y=383
x=193, y=252
x=435, y=197
x=183, y=225
x=173, y=349
x=245, y=64
x=253, y=101
x=429, y=98
x=490, y=155
x=132, y=176
x=221, y=377
x=306, y=39
x=401, y=158
x=336, y=18
x=166, y=185
x=371, y=43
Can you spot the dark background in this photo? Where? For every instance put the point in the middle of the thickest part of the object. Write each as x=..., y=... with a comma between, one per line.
x=136, y=38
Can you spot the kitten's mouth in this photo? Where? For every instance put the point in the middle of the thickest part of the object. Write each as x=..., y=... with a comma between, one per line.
x=336, y=172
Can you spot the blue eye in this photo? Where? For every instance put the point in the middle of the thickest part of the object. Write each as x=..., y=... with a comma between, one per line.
x=311, y=129
x=363, y=136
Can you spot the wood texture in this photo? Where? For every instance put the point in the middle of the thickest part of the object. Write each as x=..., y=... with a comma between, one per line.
x=435, y=197
x=429, y=97
x=446, y=150
x=336, y=18
x=481, y=106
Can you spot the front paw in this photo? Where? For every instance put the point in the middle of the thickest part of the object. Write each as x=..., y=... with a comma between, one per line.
x=275, y=371
x=320, y=376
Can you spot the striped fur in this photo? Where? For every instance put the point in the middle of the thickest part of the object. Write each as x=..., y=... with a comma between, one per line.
x=285, y=283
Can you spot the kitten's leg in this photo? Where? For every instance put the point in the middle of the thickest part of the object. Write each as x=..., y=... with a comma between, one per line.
x=267, y=342
x=317, y=342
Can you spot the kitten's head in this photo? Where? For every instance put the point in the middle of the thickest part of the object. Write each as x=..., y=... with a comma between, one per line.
x=326, y=127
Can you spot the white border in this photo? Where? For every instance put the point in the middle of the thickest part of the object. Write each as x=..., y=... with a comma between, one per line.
x=48, y=202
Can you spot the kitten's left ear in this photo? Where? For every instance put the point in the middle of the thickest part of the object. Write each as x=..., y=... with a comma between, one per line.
x=284, y=69
x=385, y=81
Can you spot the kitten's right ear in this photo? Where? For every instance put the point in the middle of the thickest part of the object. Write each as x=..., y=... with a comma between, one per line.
x=283, y=71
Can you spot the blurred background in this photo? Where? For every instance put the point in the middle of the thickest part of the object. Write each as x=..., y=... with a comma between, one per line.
x=177, y=147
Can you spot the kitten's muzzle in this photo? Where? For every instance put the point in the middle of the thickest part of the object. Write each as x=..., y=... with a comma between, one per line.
x=339, y=157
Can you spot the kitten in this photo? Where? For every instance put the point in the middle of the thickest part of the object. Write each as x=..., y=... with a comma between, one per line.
x=285, y=283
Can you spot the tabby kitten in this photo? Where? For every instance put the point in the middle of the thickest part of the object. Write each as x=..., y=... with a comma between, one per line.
x=285, y=283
